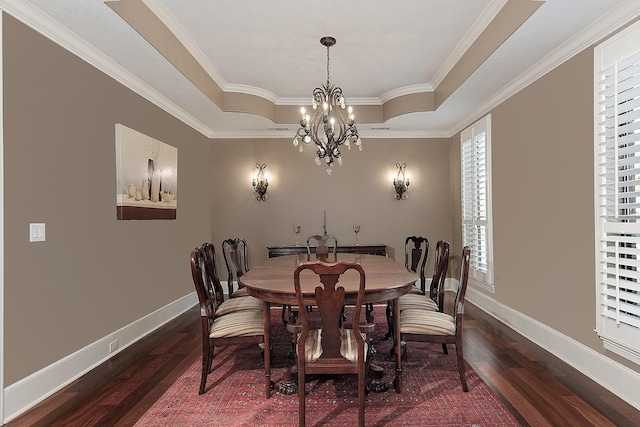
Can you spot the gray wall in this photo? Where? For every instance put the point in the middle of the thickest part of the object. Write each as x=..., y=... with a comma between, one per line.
x=543, y=202
x=358, y=192
x=94, y=274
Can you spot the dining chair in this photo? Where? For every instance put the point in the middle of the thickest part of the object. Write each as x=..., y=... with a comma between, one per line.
x=238, y=327
x=434, y=326
x=322, y=244
x=236, y=258
x=416, y=252
x=321, y=249
x=329, y=347
x=434, y=299
x=213, y=281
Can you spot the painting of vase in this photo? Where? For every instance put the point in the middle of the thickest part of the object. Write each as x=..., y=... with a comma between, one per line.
x=146, y=176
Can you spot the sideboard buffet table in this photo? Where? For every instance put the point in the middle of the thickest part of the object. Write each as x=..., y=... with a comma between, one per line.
x=275, y=251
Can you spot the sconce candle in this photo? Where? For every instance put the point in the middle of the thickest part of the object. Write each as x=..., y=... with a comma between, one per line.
x=401, y=182
x=260, y=183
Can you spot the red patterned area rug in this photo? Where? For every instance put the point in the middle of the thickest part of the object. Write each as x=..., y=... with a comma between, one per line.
x=432, y=394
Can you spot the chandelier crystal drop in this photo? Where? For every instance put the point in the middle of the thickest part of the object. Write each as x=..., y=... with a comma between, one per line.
x=328, y=128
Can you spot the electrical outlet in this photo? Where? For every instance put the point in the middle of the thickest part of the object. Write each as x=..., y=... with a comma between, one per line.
x=113, y=346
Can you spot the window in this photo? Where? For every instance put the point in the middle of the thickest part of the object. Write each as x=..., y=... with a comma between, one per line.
x=477, y=230
x=617, y=185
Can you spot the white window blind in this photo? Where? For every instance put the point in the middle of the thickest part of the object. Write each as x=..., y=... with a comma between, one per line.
x=476, y=200
x=618, y=194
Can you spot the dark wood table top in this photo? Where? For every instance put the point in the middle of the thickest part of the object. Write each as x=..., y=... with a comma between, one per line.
x=272, y=279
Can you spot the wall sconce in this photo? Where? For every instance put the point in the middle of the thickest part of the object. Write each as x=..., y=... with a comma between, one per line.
x=260, y=183
x=401, y=182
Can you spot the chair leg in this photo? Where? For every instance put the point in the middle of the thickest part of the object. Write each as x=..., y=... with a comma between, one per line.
x=207, y=361
x=463, y=378
x=361, y=392
x=389, y=333
x=301, y=398
x=444, y=348
x=284, y=314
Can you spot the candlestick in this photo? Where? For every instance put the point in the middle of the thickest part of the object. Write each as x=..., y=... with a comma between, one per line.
x=324, y=222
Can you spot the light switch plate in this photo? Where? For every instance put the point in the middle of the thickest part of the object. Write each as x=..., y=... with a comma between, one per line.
x=36, y=232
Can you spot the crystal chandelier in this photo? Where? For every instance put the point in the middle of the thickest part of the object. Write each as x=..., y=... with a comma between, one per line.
x=328, y=128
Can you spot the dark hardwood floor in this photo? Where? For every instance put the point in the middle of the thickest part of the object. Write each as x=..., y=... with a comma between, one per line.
x=537, y=387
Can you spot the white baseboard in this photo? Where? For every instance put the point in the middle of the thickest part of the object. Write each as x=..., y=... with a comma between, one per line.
x=29, y=391
x=613, y=376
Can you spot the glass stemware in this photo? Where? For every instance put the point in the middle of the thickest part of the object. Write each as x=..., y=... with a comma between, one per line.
x=356, y=229
x=296, y=229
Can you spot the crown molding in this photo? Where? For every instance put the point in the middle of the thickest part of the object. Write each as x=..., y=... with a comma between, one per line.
x=44, y=24
x=34, y=18
x=406, y=90
x=612, y=21
x=463, y=45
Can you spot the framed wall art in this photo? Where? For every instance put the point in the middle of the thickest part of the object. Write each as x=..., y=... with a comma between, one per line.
x=146, y=176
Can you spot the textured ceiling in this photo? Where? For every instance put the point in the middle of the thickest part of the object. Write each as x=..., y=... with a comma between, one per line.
x=271, y=50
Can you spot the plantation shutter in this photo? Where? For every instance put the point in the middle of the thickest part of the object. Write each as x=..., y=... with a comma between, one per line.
x=618, y=204
x=475, y=200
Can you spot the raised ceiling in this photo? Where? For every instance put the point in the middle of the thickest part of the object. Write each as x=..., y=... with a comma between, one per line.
x=241, y=68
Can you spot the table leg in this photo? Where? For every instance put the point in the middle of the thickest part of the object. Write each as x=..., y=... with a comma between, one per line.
x=266, y=317
x=377, y=383
x=397, y=382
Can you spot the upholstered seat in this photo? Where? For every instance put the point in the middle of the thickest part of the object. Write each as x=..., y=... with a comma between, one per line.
x=242, y=292
x=238, y=324
x=348, y=345
x=416, y=321
x=233, y=305
x=417, y=301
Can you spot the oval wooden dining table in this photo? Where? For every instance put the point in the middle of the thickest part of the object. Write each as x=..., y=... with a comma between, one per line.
x=271, y=281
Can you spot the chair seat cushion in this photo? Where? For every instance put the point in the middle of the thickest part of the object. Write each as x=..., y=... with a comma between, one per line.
x=416, y=321
x=244, y=323
x=242, y=292
x=348, y=345
x=416, y=290
x=415, y=301
x=238, y=304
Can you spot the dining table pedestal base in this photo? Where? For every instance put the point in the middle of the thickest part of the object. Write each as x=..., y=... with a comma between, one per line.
x=289, y=383
x=377, y=382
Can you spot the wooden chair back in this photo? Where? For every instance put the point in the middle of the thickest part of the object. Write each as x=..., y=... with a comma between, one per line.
x=236, y=258
x=204, y=289
x=462, y=289
x=440, y=268
x=323, y=244
x=416, y=252
x=211, y=269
